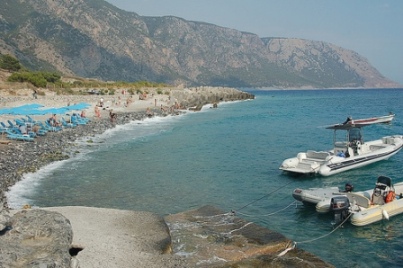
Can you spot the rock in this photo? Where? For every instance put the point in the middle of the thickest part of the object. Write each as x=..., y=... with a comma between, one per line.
x=4, y=222
x=213, y=238
x=36, y=238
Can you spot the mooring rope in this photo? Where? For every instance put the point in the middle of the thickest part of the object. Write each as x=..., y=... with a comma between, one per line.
x=270, y=214
x=275, y=190
x=314, y=239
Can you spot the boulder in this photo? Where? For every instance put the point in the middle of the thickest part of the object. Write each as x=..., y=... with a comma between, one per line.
x=210, y=238
x=36, y=238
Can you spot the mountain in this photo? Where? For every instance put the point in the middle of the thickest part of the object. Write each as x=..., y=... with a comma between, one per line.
x=94, y=39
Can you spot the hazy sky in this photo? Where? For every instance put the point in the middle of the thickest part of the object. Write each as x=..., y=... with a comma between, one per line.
x=373, y=28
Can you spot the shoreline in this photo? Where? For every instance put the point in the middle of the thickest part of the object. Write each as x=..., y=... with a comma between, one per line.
x=107, y=237
x=18, y=158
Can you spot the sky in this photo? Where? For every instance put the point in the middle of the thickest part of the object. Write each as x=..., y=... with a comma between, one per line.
x=372, y=28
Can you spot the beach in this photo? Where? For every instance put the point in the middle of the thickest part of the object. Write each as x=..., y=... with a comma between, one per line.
x=131, y=238
x=227, y=158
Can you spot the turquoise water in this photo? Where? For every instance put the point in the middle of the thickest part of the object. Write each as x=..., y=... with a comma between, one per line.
x=229, y=158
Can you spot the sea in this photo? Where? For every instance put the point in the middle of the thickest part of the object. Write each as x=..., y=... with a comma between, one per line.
x=229, y=158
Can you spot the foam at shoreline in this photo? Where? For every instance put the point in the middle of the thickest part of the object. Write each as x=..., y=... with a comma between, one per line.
x=99, y=130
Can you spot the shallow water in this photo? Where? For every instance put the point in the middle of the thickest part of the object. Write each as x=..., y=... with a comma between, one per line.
x=229, y=158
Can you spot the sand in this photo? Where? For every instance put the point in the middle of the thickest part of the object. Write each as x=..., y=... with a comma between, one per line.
x=116, y=102
x=118, y=238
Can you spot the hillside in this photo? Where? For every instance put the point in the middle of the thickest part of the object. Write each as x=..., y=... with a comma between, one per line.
x=91, y=38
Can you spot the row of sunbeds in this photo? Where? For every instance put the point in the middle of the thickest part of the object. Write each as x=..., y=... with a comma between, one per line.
x=34, y=128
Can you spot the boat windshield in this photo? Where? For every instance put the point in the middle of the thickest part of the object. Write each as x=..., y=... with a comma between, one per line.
x=354, y=134
x=350, y=136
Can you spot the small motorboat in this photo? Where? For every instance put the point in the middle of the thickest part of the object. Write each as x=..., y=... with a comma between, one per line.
x=362, y=208
x=386, y=119
x=349, y=153
x=320, y=197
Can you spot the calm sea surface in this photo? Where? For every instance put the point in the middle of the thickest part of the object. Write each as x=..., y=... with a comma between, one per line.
x=229, y=158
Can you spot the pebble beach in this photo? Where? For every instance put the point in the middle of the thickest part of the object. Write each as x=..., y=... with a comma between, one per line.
x=19, y=157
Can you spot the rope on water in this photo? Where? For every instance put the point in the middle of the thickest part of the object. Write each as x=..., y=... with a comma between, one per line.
x=275, y=190
x=270, y=214
x=314, y=239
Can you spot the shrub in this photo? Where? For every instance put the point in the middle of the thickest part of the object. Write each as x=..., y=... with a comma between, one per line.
x=38, y=79
x=9, y=63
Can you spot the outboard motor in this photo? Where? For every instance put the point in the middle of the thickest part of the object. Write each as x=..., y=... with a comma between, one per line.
x=340, y=206
x=348, y=187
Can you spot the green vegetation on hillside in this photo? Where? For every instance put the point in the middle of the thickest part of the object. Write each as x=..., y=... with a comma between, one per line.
x=9, y=63
x=38, y=79
x=54, y=80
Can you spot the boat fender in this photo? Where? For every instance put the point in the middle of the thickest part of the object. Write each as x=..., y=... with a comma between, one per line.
x=390, y=197
x=385, y=214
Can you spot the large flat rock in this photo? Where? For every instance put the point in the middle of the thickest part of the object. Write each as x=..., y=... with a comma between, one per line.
x=119, y=238
x=210, y=238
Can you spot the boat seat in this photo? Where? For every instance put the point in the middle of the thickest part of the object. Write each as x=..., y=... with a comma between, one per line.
x=317, y=155
x=384, y=180
x=377, y=147
x=341, y=144
x=359, y=199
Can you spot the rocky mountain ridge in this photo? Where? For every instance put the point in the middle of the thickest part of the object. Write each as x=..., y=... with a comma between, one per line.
x=91, y=38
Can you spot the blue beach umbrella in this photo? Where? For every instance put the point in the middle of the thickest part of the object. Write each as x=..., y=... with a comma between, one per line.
x=78, y=106
x=21, y=110
x=38, y=109
x=61, y=110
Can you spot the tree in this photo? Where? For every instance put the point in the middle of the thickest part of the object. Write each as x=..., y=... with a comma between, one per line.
x=9, y=63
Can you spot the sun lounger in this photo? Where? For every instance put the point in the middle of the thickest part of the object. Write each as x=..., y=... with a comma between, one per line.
x=68, y=125
x=3, y=125
x=3, y=128
x=11, y=125
x=30, y=119
x=43, y=126
x=52, y=128
x=77, y=120
x=18, y=132
x=14, y=136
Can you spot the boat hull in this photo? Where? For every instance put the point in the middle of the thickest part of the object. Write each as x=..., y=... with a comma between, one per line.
x=331, y=168
x=327, y=163
x=362, y=211
x=315, y=195
x=377, y=213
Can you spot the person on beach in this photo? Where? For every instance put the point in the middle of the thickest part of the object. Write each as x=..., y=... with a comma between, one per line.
x=112, y=116
x=53, y=121
x=97, y=112
x=149, y=113
x=129, y=100
x=83, y=114
x=36, y=128
x=177, y=105
x=35, y=94
x=101, y=102
x=23, y=129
